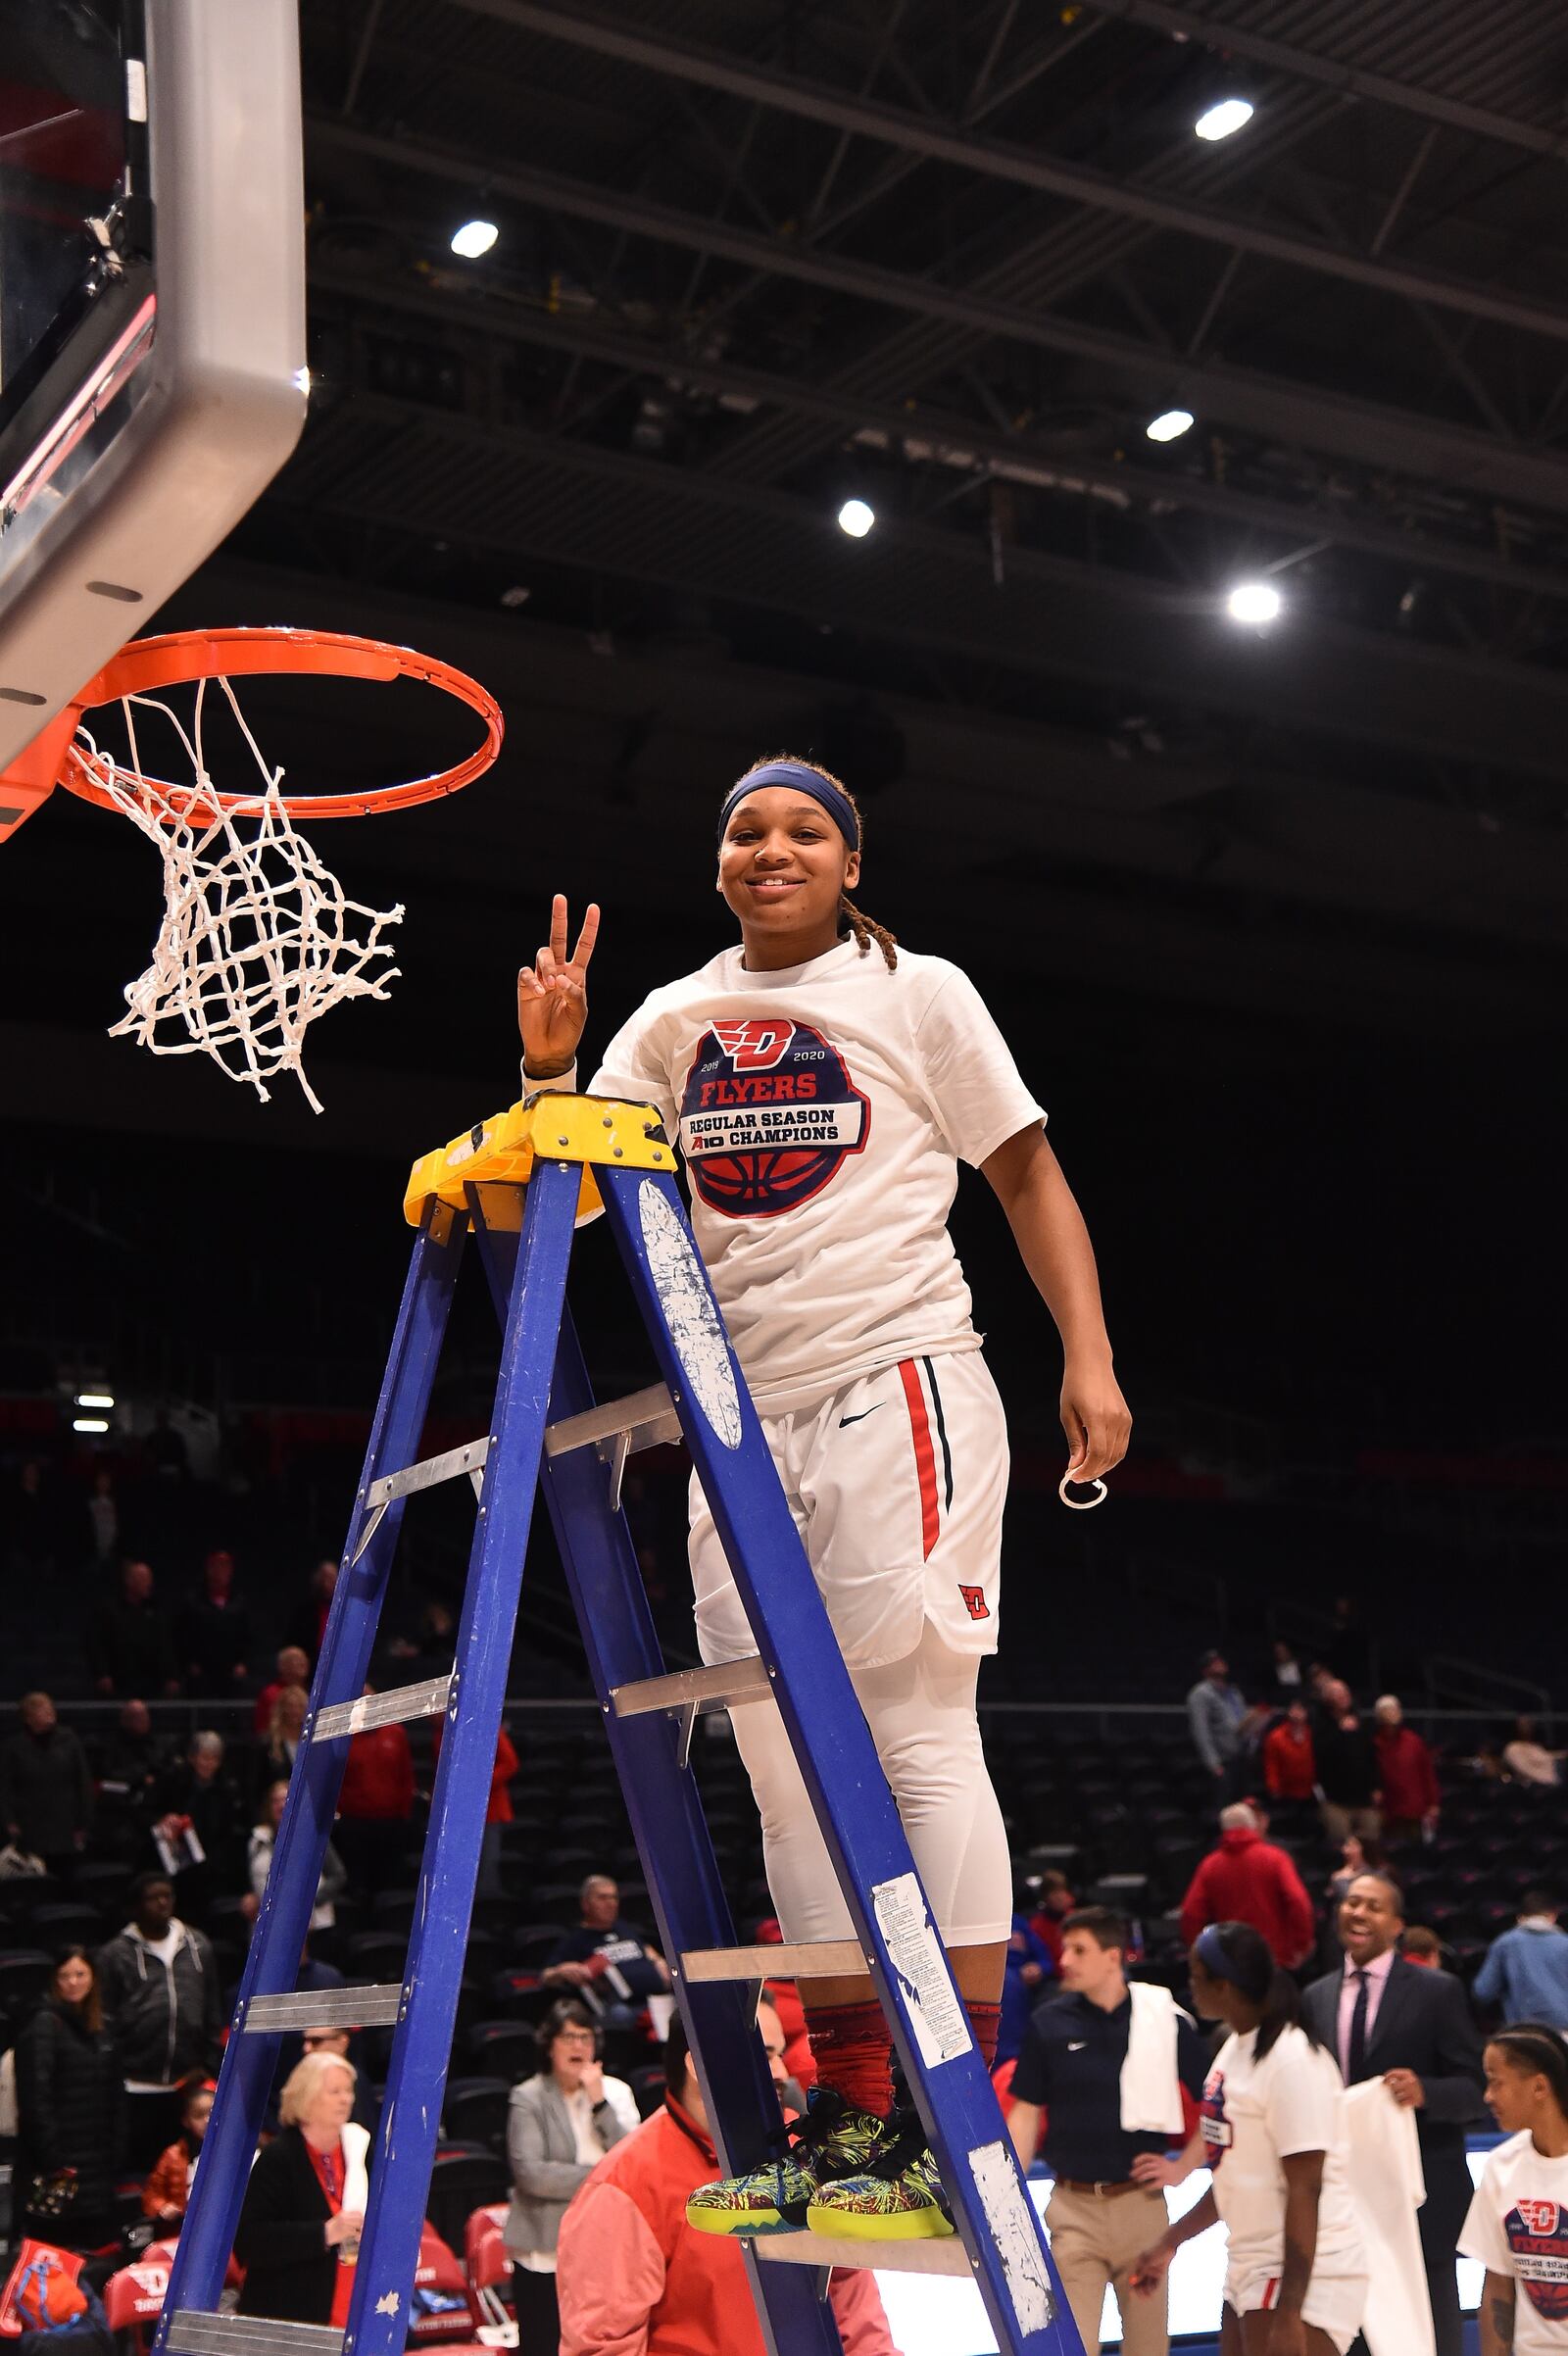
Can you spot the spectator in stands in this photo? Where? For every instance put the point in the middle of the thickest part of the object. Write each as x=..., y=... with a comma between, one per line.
x=1056, y=1902
x=293, y=1668
x=560, y=2125
x=102, y=1517
x=299, y=2231
x=281, y=1744
x=1290, y=1767
x=45, y=1787
x=1382, y=2017
x=1027, y=1969
x=129, y=1643
x=1406, y=1773
x=1347, y=1765
x=309, y=1624
x=197, y=1825
x=606, y=1958
x=1290, y=1679
x=1421, y=1946
x=1217, y=1716
x=344, y=2042
x=70, y=2113
x=334, y=1879
x=631, y=2276
x=376, y=1804
x=164, y=1451
x=1526, y=1758
x=1357, y=1856
x=160, y=1989
x=166, y=2195
x=133, y=1760
x=1525, y=1973
x=497, y=1811
x=216, y=1632
x=1247, y=1879
x=1078, y=2069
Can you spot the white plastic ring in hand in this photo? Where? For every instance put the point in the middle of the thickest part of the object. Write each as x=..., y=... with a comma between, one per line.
x=1081, y=1504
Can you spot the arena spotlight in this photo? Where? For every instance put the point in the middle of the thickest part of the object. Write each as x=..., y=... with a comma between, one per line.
x=1258, y=602
x=89, y=1423
x=95, y=1398
x=1224, y=119
x=1169, y=425
x=855, y=518
x=476, y=237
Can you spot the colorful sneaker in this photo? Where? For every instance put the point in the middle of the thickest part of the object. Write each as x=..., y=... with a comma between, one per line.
x=898, y=2197
x=831, y=2140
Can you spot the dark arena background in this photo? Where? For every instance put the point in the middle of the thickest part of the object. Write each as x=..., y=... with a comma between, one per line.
x=1273, y=911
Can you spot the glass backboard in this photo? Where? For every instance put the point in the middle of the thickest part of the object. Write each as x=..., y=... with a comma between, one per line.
x=152, y=323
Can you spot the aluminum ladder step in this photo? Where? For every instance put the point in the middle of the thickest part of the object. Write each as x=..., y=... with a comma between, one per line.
x=395, y=1708
x=643, y=1419
x=823, y=1959
x=192, y=2333
x=325, y=2008
x=454, y=1465
x=727, y=1686
x=947, y=2256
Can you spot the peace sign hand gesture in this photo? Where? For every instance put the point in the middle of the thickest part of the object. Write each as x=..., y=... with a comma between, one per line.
x=553, y=995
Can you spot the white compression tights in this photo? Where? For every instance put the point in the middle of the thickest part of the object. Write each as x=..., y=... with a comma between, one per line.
x=921, y=1712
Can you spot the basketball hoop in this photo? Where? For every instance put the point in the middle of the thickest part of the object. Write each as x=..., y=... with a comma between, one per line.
x=258, y=937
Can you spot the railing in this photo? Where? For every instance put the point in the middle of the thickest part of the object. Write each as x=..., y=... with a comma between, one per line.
x=1474, y=1686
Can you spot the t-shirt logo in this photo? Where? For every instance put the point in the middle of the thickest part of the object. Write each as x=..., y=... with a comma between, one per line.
x=1540, y=2246
x=769, y=1116
x=1214, y=2126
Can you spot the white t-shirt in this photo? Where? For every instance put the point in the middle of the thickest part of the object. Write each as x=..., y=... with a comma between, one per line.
x=1254, y=2115
x=823, y=1111
x=1518, y=2226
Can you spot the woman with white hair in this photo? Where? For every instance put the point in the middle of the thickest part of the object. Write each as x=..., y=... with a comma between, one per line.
x=299, y=2229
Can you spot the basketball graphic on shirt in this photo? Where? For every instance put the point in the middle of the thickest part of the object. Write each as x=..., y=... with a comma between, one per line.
x=1537, y=2236
x=769, y=1116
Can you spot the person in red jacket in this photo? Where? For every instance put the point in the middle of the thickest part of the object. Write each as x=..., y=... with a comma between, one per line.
x=1407, y=1772
x=1290, y=1769
x=633, y=2279
x=1248, y=1880
x=374, y=1805
x=497, y=1811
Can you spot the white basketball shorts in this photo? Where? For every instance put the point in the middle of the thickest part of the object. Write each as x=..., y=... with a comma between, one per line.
x=1334, y=2303
x=897, y=1485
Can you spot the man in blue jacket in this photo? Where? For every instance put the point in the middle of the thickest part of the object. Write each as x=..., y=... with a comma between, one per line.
x=1526, y=1970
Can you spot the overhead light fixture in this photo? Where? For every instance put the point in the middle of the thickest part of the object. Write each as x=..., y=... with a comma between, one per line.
x=89, y=1423
x=1254, y=602
x=95, y=1398
x=855, y=519
x=476, y=237
x=1169, y=425
x=1224, y=119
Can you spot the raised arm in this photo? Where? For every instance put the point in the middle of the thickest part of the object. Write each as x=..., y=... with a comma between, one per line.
x=1053, y=1242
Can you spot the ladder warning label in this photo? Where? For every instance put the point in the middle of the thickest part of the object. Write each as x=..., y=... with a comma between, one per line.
x=1015, y=2234
x=690, y=1314
x=936, y=2015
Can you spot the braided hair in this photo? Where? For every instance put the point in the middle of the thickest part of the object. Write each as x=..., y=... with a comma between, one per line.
x=1538, y=2050
x=864, y=928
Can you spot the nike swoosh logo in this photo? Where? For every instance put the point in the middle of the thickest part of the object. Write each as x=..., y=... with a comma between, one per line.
x=1078, y=2049
x=860, y=1418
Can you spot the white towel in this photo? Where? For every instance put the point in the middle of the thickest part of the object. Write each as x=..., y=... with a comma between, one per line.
x=1387, y=2186
x=356, y=2174
x=1150, y=2091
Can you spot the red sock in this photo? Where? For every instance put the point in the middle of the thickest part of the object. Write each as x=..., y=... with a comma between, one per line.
x=985, y=2020
x=854, y=2053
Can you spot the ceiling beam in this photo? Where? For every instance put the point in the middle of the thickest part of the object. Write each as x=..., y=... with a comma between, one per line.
x=1352, y=81
x=1008, y=161
x=1310, y=416
x=950, y=437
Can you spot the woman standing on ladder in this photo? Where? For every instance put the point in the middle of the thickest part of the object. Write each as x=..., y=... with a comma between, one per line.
x=823, y=1086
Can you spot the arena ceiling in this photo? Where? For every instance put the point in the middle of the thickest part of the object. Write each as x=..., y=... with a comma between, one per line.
x=951, y=255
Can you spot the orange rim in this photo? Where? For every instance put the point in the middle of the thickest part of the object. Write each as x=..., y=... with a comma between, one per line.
x=183, y=657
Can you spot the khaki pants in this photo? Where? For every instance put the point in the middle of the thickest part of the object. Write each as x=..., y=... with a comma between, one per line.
x=1094, y=2242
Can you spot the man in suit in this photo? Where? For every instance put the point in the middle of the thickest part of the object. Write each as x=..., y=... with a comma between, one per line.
x=1383, y=2018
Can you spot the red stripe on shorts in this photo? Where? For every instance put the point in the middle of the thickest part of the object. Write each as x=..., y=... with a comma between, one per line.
x=925, y=1463
x=1269, y=2288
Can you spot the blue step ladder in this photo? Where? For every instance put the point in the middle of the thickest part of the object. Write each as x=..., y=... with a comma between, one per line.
x=518, y=1184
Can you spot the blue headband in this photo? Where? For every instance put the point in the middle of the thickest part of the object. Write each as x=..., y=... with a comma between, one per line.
x=1209, y=1948
x=821, y=790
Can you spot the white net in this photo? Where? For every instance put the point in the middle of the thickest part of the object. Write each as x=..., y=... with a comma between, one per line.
x=258, y=937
